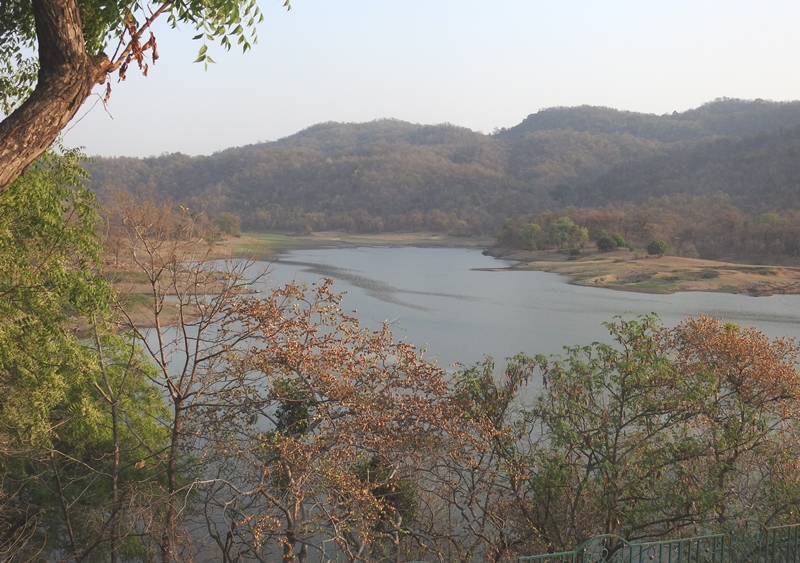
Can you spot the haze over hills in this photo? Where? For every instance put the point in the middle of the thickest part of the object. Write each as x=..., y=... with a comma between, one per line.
x=394, y=175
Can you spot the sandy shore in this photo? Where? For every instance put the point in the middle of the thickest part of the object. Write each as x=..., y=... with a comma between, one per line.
x=631, y=271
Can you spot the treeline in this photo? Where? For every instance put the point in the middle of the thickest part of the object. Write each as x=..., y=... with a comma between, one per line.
x=195, y=419
x=695, y=227
x=390, y=175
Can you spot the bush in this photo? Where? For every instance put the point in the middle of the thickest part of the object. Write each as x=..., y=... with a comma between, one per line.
x=607, y=242
x=657, y=247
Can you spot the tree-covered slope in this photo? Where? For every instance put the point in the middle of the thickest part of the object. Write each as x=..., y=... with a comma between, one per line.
x=759, y=174
x=393, y=175
x=722, y=117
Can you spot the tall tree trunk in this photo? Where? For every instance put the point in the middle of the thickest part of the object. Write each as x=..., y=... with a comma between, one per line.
x=168, y=541
x=67, y=75
x=115, y=523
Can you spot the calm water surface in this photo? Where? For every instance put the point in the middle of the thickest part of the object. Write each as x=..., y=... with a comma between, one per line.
x=440, y=299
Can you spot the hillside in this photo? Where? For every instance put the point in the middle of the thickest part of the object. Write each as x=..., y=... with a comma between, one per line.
x=759, y=173
x=390, y=175
x=723, y=117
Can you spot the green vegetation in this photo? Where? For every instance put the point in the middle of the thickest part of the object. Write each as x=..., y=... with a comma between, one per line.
x=666, y=432
x=50, y=256
x=606, y=242
x=260, y=244
x=128, y=276
x=621, y=442
x=657, y=248
x=79, y=425
x=561, y=234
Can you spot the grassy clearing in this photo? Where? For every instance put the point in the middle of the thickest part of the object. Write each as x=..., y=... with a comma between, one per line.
x=260, y=244
x=266, y=245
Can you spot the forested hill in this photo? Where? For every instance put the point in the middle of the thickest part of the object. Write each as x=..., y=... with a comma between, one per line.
x=759, y=174
x=726, y=117
x=393, y=175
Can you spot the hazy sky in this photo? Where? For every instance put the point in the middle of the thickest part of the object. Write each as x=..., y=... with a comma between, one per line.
x=477, y=64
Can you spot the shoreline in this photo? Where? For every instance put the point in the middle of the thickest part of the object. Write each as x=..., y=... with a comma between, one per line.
x=626, y=270
x=621, y=270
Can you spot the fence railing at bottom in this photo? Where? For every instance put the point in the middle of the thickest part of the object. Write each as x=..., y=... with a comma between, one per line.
x=746, y=542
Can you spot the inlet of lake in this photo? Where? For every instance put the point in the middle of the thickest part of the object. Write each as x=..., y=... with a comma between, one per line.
x=447, y=301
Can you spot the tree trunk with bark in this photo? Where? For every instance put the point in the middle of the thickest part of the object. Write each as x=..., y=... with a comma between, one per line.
x=67, y=74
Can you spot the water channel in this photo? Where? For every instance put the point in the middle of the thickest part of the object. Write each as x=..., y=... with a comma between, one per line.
x=451, y=301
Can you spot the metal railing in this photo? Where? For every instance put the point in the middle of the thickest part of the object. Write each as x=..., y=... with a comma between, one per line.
x=746, y=542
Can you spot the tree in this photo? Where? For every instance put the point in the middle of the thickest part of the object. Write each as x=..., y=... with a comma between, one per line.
x=70, y=37
x=184, y=329
x=607, y=242
x=77, y=420
x=229, y=224
x=532, y=236
x=98, y=476
x=50, y=276
x=749, y=418
x=613, y=426
x=565, y=234
x=490, y=495
x=665, y=432
x=331, y=428
x=657, y=248
x=290, y=425
x=509, y=234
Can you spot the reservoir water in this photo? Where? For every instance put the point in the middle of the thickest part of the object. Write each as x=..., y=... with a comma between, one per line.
x=446, y=301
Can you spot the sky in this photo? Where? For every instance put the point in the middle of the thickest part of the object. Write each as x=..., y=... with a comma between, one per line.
x=476, y=64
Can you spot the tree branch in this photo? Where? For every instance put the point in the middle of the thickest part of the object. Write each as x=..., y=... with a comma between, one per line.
x=67, y=74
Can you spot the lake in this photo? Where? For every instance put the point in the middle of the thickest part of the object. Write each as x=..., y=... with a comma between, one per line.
x=445, y=301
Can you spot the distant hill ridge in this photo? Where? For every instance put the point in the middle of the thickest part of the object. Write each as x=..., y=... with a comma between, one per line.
x=393, y=175
x=723, y=117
